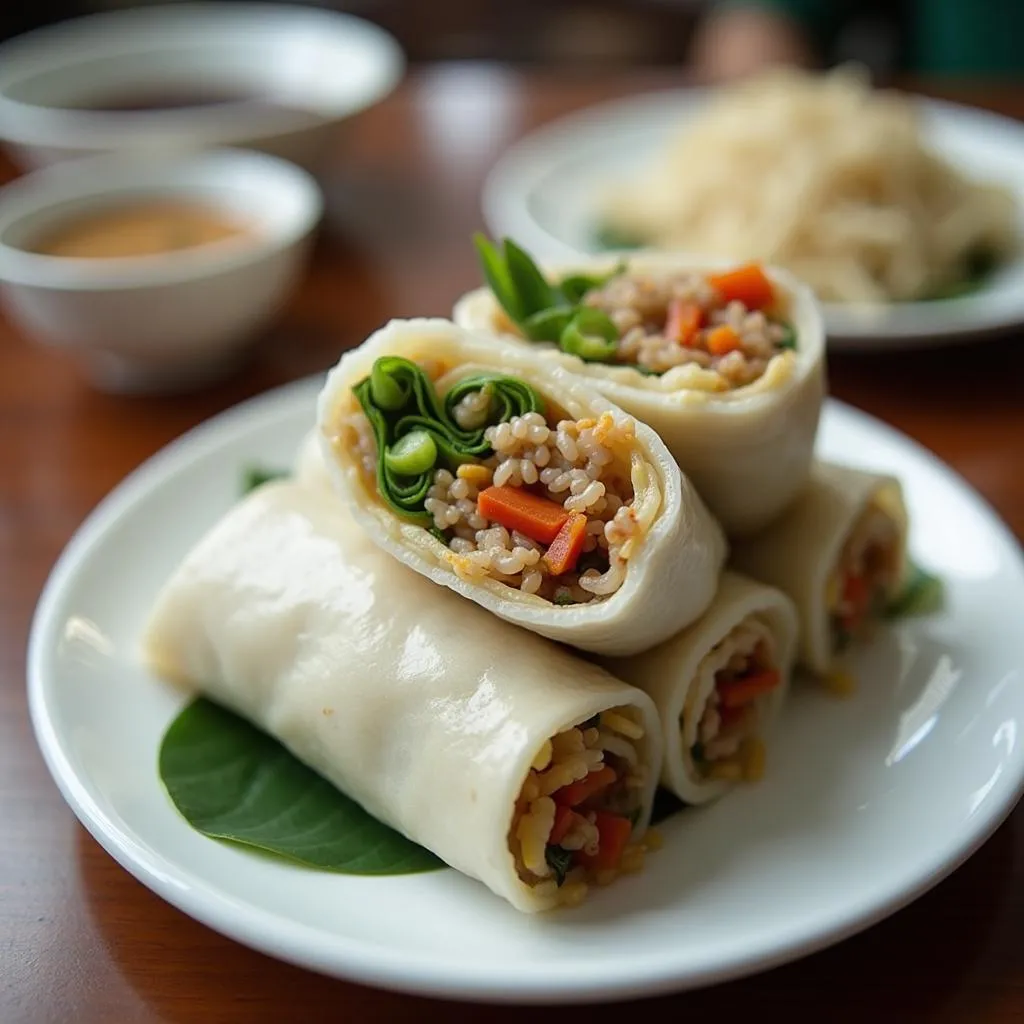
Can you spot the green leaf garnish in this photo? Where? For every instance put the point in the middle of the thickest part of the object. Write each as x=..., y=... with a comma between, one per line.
x=559, y=860
x=922, y=594
x=413, y=437
x=549, y=312
x=532, y=289
x=563, y=599
x=256, y=476
x=231, y=781
x=548, y=324
x=498, y=278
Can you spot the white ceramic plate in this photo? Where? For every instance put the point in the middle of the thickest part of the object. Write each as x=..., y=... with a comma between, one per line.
x=541, y=192
x=867, y=802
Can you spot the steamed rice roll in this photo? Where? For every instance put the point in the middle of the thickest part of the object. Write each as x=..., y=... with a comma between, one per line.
x=513, y=483
x=718, y=687
x=725, y=362
x=840, y=552
x=515, y=762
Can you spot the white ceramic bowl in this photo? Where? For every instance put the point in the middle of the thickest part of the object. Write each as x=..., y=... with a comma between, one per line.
x=309, y=68
x=161, y=322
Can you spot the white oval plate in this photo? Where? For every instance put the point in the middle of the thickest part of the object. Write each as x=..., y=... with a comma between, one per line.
x=908, y=776
x=541, y=193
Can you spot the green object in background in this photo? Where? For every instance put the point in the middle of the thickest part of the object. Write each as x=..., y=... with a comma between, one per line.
x=231, y=781
x=256, y=476
x=981, y=38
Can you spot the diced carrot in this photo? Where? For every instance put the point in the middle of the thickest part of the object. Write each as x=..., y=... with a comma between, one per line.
x=563, y=821
x=614, y=832
x=517, y=509
x=567, y=547
x=747, y=284
x=729, y=716
x=684, y=321
x=723, y=339
x=742, y=691
x=576, y=792
x=856, y=596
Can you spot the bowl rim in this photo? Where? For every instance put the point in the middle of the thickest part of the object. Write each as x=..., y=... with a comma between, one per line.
x=109, y=175
x=50, y=48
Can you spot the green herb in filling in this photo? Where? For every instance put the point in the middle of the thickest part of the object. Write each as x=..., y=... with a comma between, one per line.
x=922, y=594
x=559, y=860
x=415, y=430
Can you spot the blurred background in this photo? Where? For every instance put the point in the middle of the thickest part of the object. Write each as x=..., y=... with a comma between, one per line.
x=924, y=36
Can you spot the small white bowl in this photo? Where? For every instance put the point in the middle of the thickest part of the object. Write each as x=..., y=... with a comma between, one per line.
x=163, y=322
x=298, y=71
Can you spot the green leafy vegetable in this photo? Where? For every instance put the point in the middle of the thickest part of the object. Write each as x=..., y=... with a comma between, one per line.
x=444, y=536
x=231, y=781
x=548, y=324
x=559, y=860
x=498, y=278
x=532, y=288
x=255, y=476
x=697, y=751
x=416, y=433
x=922, y=594
x=563, y=599
x=549, y=312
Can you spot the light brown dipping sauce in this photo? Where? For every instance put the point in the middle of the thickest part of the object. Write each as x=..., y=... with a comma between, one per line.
x=141, y=229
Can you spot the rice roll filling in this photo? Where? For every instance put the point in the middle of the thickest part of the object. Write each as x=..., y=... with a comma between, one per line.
x=859, y=589
x=579, y=806
x=513, y=488
x=729, y=324
x=726, y=743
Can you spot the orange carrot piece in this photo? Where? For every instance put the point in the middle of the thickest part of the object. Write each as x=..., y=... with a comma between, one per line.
x=747, y=284
x=857, y=595
x=723, y=339
x=742, y=691
x=576, y=792
x=614, y=832
x=563, y=821
x=517, y=509
x=567, y=547
x=685, y=319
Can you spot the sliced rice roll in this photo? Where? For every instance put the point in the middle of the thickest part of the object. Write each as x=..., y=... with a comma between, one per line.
x=718, y=687
x=515, y=484
x=726, y=363
x=514, y=761
x=840, y=553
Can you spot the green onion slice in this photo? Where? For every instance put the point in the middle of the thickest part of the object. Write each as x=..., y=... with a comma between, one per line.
x=591, y=335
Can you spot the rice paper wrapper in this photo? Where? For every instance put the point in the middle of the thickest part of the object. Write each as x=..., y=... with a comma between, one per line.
x=679, y=675
x=671, y=575
x=401, y=694
x=748, y=450
x=798, y=552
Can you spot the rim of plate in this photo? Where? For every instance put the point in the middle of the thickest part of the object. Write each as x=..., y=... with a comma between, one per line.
x=351, y=959
x=508, y=192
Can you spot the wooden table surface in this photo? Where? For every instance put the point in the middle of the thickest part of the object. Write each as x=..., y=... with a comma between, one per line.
x=82, y=941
